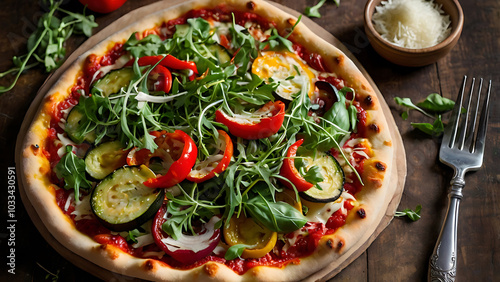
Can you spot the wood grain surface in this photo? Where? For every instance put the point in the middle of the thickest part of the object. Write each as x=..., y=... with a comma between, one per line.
x=402, y=250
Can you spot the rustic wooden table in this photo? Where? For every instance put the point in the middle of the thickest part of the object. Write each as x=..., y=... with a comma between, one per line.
x=402, y=251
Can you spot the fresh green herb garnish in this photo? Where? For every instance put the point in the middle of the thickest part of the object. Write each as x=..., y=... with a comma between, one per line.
x=236, y=251
x=186, y=209
x=413, y=215
x=46, y=45
x=133, y=234
x=72, y=170
x=312, y=175
x=276, y=216
x=433, y=106
x=54, y=277
x=276, y=41
x=313, y=12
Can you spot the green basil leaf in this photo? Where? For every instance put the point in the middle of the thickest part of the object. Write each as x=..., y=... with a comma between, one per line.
x=405, y=102
x=339, y=115
x=427, y=128
x=313, y=175
x=353, y=116
x=437, y=103
x=278, y=217
x=404, y=115
x=434, y=129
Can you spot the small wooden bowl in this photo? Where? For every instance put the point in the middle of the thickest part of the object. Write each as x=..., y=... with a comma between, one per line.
x=415, y=57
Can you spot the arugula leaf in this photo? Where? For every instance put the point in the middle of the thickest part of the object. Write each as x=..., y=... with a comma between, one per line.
x=276, y=41
x=150, y=45
x=53, y=276
x=46, y=45
x=132, y=235
x=187, y=209
x=72, y=170
x=413, y=215
x=313, y=12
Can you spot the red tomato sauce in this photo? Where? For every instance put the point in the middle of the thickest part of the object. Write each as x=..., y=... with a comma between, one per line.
x=313, y=59
x=304, y=246
x=220, y=13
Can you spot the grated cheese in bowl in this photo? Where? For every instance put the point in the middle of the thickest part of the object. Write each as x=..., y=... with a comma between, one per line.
x=411, y=24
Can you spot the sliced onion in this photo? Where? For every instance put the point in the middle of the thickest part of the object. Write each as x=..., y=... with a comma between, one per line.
x=188, y=248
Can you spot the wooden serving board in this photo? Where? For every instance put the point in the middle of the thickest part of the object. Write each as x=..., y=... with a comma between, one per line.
x=398, y=173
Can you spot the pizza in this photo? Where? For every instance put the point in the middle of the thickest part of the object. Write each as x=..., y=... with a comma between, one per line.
x=213, y=139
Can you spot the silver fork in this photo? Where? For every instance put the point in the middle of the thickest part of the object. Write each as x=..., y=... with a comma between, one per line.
x=462, y=149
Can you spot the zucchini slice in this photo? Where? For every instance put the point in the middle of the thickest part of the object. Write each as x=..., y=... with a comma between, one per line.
x=220, y=53
x=113, y=81
x=105, y=158
x=333, y=179
x=122, y=202
x=72, y=127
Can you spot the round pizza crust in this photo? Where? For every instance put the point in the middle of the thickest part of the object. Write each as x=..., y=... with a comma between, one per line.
x=379, y=198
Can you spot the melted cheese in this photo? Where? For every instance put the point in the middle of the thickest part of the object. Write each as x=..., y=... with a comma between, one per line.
x=317, y=213
x=411, y=23
x=194, y=243
x=322, y=212
x=143, y=240
x=83, y=209
x=62, y=139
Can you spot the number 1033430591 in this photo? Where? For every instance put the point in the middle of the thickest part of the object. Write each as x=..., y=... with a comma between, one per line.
x=11, y=219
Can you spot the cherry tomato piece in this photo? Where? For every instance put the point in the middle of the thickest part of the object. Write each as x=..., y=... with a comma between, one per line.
x=103, y=6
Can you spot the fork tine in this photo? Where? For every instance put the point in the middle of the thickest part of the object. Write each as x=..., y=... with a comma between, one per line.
x=483, y=124
x=469, y=144
x=450, y=131
x=465, y=119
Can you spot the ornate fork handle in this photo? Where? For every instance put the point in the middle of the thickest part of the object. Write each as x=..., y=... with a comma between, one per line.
x=443, y=260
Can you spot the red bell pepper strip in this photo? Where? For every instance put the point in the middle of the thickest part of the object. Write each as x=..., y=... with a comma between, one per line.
x=189, y=248
x=263, y=123
x=207, y=169
x=161, y=79
x=168, y=61
x=290, y=172
x=177, y=146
